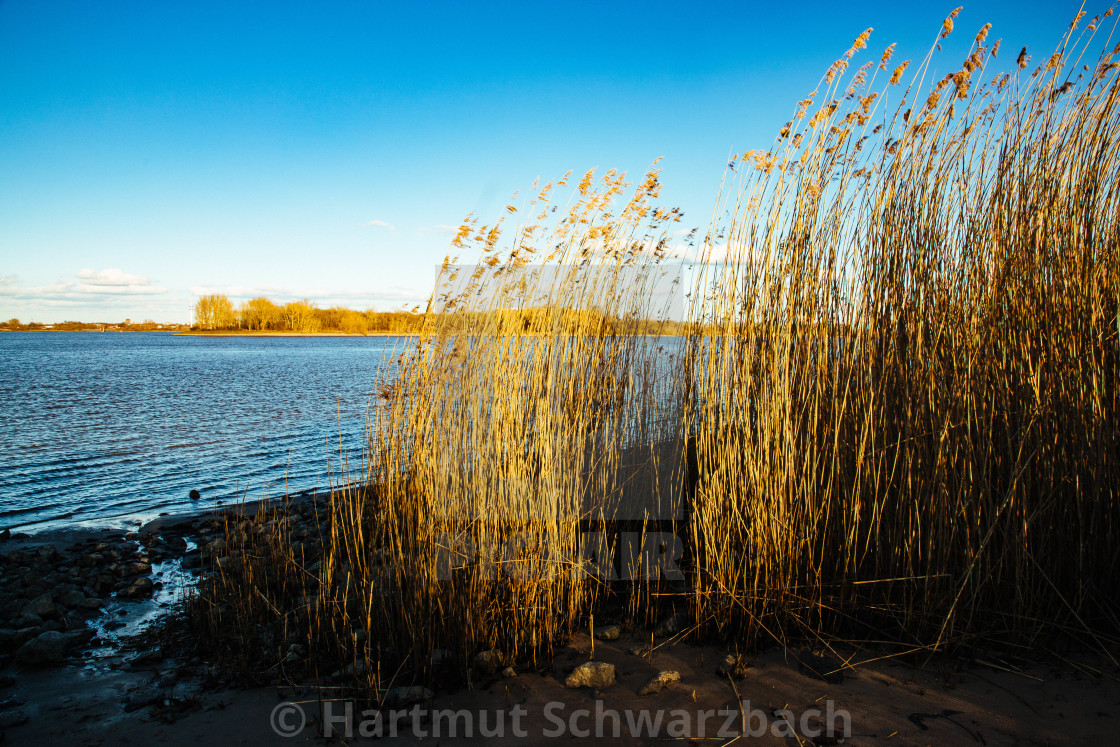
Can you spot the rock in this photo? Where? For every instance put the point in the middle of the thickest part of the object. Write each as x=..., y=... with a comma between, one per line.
x=671, y=625
x=608, y=633
x=91, y=603
x=195, y=495
x=42, y=606
x=591, y=674
x=47, y=649
x=140, y=588
x=12, y=639
x=77, y=637
x=9, y=719
x=350, y=670
x=27, y=621
x=659, y=682
x=733, y=666
x=509, y=672
x=489, y=662
x=402, y=697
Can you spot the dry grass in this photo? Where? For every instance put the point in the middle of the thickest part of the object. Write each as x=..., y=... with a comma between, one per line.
x=899, y=403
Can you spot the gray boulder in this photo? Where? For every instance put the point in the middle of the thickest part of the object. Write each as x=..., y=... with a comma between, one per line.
x=42, y=606
x=45, y=650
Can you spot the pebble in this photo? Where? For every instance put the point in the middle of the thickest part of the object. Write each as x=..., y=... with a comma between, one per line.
x=733, y=666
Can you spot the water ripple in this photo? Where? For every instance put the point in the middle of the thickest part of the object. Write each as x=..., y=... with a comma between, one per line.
x=106, y=428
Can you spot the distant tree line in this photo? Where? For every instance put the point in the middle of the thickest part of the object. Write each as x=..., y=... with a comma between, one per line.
x=217, y=313
x=148, y=325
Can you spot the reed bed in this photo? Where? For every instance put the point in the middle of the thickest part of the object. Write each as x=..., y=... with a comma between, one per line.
x=894, y=417
x=908, y=422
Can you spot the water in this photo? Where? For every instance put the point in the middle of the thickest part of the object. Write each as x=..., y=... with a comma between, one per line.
x=102, y=429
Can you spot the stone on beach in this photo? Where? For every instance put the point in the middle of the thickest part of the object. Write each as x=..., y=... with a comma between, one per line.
x=671, y=625
x=355, y=669
x=11, y=639
x=489, y=662
x=43, y=607
x=591, y=674
x=49, y=648
x=733, y=666
x=608, y=633
x=659, y=682
x=140, y=588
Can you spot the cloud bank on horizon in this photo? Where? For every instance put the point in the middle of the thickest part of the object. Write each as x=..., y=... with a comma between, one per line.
x=105, y=295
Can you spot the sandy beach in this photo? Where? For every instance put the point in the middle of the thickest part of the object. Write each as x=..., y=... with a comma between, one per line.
x=134, y=678
x=144, y=700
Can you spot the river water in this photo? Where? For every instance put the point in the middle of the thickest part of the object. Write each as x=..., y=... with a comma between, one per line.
x=103, y=429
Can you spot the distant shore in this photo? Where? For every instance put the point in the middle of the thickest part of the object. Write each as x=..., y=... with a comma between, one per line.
x=257, y=333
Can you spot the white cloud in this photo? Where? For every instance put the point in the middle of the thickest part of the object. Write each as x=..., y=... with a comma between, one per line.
x=8, y=279
x=380, y=224
x=112, y=277
x=99, y=284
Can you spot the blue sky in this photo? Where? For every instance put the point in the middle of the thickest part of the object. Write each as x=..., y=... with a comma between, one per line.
x=151, y=151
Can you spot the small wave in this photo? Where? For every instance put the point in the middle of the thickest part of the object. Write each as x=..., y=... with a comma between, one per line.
x=27, y=510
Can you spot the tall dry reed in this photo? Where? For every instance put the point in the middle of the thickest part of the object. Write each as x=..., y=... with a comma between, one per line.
x=895, y=416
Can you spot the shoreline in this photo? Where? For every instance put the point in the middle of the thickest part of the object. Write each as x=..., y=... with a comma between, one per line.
x=138, y=676
x=255, y=333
